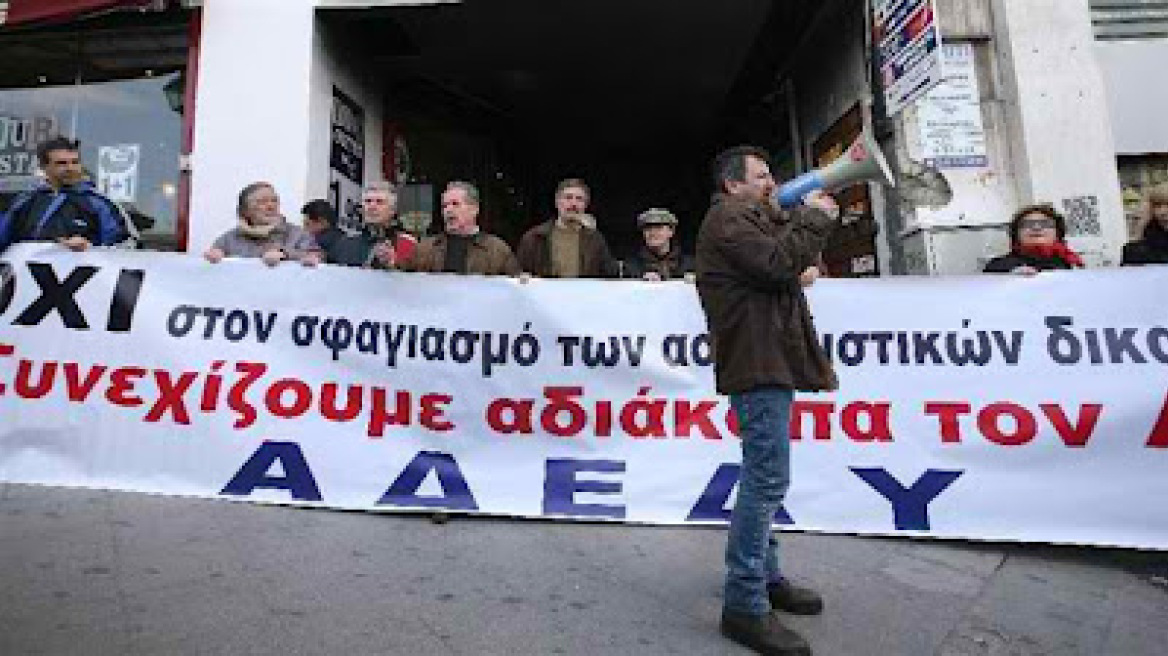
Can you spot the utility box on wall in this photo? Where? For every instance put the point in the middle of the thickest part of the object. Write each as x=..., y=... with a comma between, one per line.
x=952, y=251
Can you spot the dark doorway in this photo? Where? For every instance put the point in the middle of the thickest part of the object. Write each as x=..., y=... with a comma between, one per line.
x=635, y=97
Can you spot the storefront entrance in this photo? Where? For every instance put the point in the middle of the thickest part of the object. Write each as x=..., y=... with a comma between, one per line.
x=636, y=98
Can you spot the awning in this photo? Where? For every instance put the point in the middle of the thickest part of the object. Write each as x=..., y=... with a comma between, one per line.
x=34, y=11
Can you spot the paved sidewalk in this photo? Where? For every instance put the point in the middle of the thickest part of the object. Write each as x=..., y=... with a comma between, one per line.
x=89, y=572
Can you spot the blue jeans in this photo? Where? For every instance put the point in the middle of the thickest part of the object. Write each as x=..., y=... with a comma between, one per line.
x=752, y=552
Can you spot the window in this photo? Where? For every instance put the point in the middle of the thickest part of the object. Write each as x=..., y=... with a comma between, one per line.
x=115, y=84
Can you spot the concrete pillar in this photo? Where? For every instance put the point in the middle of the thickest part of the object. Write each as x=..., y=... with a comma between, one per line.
x=252, y=111
x=1058, y=120
x=1048, y=137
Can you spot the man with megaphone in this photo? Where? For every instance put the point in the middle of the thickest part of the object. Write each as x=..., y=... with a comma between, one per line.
x=750, y=257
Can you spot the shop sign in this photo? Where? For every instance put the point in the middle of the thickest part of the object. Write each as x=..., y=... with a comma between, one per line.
x=908, y=46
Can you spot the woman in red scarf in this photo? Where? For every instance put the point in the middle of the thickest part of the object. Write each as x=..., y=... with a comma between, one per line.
x=1037, y=243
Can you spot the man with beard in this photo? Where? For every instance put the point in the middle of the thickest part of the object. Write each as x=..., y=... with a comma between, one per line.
x=751, y=259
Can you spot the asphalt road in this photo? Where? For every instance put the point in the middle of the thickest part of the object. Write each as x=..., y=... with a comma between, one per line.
x=93, y=572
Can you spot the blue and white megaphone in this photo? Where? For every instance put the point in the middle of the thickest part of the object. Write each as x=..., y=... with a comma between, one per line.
x=861, y=162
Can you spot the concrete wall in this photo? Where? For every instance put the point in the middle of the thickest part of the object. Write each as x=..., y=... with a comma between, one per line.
x=263, y=106
x=1048, y=136
x=961, y=236
x=252, y=115
x=1059, y=117
x=331, y=68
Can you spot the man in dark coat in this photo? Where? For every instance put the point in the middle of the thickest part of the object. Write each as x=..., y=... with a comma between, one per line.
x=750, y=256
x=661, y=256
x=320, y=220
x=463, y=247
x=568, y=246
x=381, y=242
x=1152, y=248
x=65, y=208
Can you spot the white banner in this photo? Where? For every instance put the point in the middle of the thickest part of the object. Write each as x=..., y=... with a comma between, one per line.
x=993, y=407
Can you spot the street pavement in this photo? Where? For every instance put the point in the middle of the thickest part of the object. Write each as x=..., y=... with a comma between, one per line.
x=95, y=572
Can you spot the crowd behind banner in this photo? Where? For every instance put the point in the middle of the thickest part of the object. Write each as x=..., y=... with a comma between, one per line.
x=66, y=208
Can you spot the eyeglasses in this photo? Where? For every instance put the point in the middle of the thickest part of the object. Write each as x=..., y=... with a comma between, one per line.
x=1037, y=224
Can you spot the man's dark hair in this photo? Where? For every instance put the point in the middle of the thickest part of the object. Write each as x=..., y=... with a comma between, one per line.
x=730, y=164
x=56, y=143
x=320, y=210
x=1045, y=209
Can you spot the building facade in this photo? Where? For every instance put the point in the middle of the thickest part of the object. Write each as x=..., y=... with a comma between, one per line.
x=319, y=96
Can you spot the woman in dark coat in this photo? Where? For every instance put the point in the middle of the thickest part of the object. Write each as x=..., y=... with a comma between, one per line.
x=1037, y=243
x=1153, y=247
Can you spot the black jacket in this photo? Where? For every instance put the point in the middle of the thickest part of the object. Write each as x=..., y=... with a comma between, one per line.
x=356, y=250
x=673, y=265
x=535, y=253
x=749, y=259
x=1152, y=249
x=1010, y=261
x=45, y=214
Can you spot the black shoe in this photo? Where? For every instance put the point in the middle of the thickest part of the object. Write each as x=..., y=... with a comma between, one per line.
x=790, y=598
x=765, y=634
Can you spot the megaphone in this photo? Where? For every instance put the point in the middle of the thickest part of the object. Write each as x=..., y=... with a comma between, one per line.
x=861, y=162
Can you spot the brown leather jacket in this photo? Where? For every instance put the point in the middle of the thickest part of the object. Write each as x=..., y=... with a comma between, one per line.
x=535, y=253
x=487, y=255
x=749, y=257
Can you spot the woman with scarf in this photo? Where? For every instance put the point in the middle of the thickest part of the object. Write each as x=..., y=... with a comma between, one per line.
x=1037, y=243
x=263, y=232
x=1153, y=247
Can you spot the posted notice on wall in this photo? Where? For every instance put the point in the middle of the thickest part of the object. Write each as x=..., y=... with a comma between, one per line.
x=117, y=172
x=347, y=159
x=949, y=115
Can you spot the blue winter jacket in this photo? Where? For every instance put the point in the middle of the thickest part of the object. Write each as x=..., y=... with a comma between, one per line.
x=77, y=209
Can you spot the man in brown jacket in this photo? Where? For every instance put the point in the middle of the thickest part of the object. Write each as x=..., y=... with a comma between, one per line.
x=751, y=258
x=568, y=246
x=463, y=247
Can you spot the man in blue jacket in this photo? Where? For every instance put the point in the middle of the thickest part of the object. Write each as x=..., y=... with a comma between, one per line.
x=64, y=208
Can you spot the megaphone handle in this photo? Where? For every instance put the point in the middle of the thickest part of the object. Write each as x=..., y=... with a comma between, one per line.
x=791, y=193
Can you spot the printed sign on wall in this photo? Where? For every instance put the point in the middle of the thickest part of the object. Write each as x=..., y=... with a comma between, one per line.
x=19, y=137
x=347, y=159
x=908, y=47
x=117, y=172
x=949, y=115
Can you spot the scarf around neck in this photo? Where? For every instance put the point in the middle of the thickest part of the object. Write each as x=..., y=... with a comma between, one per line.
x=1058, y=250
x=259, y=231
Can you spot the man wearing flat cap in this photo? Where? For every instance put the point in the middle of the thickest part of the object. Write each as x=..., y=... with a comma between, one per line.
x=660, y=256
